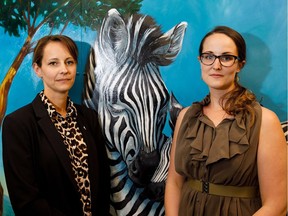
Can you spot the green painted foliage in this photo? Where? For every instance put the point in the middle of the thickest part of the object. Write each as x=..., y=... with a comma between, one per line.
x=29, y=15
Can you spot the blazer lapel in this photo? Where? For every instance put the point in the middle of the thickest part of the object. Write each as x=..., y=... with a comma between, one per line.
x=54, y=138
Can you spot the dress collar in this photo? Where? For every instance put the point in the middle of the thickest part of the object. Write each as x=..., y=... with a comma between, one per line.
x=71, y=109
x=209, y=143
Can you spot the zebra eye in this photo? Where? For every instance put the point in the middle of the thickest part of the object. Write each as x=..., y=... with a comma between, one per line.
x=115, y=108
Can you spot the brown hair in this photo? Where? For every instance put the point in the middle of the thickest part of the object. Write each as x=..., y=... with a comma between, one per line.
x=41, y=44
x=240, y=99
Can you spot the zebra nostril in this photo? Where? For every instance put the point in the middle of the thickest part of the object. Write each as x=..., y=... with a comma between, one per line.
x=134, y=168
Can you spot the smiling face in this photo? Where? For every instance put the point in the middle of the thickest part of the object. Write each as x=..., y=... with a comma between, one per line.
x=216, y=76
x=57, y=69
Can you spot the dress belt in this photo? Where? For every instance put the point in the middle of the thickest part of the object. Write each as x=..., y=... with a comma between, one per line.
x=223, y=190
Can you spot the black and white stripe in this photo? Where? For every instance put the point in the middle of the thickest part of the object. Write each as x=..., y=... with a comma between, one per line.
x=125, y=86
x=285, y=129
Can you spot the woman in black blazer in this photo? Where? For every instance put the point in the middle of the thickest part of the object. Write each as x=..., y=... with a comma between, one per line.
x=54, y=155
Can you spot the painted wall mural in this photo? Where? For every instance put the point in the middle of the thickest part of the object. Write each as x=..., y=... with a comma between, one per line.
x=22, y=23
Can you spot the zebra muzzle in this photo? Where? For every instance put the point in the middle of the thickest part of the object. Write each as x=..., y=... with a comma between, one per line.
x=143, y=167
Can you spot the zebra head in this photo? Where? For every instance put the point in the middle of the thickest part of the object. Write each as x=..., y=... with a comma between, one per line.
x=126, y=88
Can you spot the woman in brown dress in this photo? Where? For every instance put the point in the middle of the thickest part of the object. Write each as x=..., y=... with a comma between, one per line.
x=228, y=154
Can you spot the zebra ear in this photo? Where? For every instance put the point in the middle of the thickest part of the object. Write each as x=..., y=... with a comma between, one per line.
x=113, y=36
x=169, y=44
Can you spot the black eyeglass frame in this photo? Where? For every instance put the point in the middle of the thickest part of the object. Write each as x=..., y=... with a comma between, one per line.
x=219, y=57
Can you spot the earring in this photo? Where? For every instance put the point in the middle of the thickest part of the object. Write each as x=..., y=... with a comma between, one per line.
x=237, y=78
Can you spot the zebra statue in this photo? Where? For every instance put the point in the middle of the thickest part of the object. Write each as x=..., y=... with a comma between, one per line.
x=124, y=85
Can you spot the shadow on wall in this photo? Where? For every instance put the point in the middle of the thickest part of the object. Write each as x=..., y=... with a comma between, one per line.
x=77, y=90
x=259, y=57
x=1, y=199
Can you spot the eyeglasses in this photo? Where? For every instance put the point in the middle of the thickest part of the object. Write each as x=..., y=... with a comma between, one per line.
x=225, y=60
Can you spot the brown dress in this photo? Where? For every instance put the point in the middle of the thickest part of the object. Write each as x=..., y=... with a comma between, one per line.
x=225, y=155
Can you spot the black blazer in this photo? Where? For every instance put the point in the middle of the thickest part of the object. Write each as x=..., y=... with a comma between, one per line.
x=37, y=167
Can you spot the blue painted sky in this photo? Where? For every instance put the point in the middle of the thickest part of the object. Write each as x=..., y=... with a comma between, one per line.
x=263, y=24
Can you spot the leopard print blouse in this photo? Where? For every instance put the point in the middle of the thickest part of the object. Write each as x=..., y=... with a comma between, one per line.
x=76, y=147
